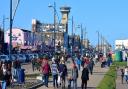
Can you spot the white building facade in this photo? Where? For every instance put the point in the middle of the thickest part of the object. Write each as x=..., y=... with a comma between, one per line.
x=121, y=44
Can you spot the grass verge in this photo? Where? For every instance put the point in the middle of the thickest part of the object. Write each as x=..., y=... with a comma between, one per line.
x=32, y=75
x=120, y=64
x=108, y=81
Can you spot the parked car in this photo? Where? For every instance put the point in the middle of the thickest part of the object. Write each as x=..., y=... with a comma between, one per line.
x=4, y=58
x=36, y=56
x=13, y=57
x=21, y=58
x=29, y=57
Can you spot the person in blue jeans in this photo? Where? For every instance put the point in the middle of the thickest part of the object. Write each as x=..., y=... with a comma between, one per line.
x=91, y=65
x=55, y=72
x=3, y=84
x=46, y=77
x=4, y=76
x=46, y=71
x=74, y=76
x=126, y=74
x=79, y=62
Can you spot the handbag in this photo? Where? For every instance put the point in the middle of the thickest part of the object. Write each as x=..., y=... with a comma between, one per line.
x=59, y=80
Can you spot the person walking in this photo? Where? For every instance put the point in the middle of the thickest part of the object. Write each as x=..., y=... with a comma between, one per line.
x=79, y=62
x=74, y=75
x=69, y=64
x=4, y=76
x=46, y=71
x=63, y=72
x=126, y=73
x=55, y=72
x=122, y=75
x=84, y=77
x=109, y=60
x=33, y=61
x=91, y=65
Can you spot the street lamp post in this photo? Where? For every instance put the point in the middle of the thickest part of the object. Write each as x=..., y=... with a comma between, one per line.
x=54, y=7
x=81, y=46
x=81, y=40
x=98, y=41
x=10, y=46
x=12, y=15
x=86, y=41
x=101, y=43
x=4, y=23
x=72, y=36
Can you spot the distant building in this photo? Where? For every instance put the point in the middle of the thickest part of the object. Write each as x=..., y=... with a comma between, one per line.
x=121, y=44
x=20, y=38
x=46, y=32
x=85, y=43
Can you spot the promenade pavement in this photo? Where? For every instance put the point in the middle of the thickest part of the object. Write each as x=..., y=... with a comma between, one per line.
x=93, y=82
x=28, y=69
x=119, y=84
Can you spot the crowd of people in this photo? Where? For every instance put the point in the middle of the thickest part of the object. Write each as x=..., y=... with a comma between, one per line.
x=8, y=72
x=67, y=69
x=62, y=69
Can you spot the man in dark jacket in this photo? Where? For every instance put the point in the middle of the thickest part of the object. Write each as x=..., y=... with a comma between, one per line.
x=63, y=72
x=91, y=64
x=84, y=77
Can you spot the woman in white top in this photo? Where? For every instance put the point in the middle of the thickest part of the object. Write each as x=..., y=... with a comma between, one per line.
x=126, y=73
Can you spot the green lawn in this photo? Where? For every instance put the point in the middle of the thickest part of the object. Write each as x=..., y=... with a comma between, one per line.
x=32, y=75
x=120, y=64
x=109, y=79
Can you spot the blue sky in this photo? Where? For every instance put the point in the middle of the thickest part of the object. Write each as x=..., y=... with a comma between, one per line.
x=109, y=17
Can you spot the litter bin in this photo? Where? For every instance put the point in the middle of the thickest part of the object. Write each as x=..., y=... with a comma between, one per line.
x=21, y=76
x=118, y=56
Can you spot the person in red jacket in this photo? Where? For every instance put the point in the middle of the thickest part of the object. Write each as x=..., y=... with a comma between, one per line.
x=46, y=71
